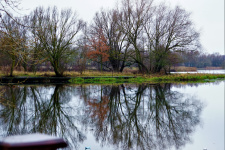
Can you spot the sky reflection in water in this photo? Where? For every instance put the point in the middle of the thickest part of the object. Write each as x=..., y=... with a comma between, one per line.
x=127, y=116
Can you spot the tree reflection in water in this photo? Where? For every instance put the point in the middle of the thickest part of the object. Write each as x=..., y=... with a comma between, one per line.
x=127, y=116
x=40, y=109
x=143, y=116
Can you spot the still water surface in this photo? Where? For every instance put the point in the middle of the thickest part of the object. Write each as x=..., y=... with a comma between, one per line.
x=121, y=117
x=221, y=71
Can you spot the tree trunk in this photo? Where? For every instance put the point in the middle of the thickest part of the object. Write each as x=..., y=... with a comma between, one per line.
x=158, y=68
x=122, y=66
x=101, y=62
x=57, y=72
x=12, y=67
x=24, y=66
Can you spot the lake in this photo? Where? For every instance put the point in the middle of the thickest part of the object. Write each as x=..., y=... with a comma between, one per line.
x=118, y=117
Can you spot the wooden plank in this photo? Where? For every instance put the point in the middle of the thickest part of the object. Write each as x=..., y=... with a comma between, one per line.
x=32, y=142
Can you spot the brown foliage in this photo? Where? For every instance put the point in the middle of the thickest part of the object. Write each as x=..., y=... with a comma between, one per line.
x=98, y=49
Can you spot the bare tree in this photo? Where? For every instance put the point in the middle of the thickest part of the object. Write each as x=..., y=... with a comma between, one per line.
x=12, y=41
x=132, y=21
x=155, y=32
x=81, y=59
x=169, y=30
x=55, y=34
x=6, y=6
x=25, y=50
x=108, y=22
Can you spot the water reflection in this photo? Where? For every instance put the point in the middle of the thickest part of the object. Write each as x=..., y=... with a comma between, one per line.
x=39, y=109
x=127, y=116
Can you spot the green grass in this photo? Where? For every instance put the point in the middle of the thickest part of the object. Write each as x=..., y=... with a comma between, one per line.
x=97, y=80
x=187, y=77
x=152, y=79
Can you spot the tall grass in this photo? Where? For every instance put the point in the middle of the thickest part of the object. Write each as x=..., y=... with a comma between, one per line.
x=184, y=69
x=72, y=73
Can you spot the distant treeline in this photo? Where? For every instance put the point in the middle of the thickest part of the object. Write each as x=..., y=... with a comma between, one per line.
x=196, y=59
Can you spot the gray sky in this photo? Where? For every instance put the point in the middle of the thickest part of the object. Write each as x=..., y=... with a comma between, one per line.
x=208, y=15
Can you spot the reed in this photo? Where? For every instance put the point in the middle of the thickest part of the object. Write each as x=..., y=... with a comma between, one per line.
x=71, y=74
x=185, y=69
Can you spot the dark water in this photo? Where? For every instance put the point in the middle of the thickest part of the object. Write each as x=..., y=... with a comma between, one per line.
x=121, y=117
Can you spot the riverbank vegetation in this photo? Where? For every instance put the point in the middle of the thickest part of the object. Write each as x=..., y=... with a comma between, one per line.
x=110, y=77
x=72, y=74
x=151, y=79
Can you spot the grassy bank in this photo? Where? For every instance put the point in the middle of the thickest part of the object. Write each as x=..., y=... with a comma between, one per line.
x=188, y=77
x=127, y=77
x=151, y=79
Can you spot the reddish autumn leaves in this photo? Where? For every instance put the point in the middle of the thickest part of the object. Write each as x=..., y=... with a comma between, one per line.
x=98, y=48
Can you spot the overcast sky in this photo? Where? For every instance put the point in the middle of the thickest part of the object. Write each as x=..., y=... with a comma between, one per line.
x=208, y=15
